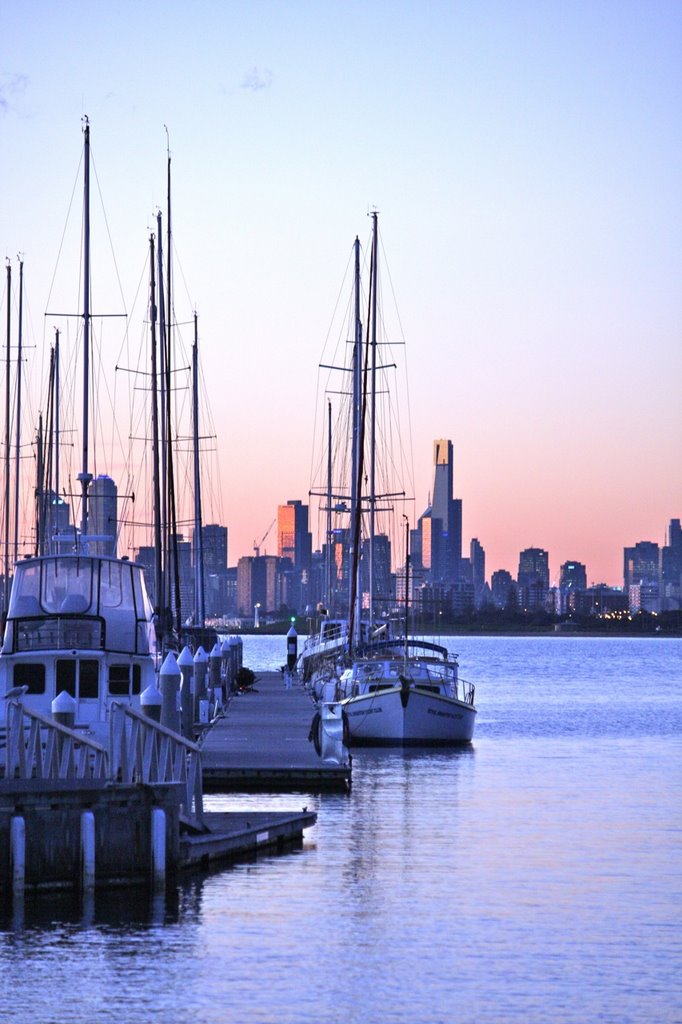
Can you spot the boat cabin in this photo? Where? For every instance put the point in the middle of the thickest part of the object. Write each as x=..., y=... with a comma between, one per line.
x=79, y=624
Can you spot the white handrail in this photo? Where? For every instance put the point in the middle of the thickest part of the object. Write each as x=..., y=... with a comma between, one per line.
x=144, y=751
x=40, y=748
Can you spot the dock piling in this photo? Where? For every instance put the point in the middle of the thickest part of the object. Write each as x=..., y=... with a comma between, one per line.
x=158, y=847
x=18, y=854
x=87, y=851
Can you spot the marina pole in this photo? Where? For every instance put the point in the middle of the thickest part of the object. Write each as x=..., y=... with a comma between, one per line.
x=5, y=586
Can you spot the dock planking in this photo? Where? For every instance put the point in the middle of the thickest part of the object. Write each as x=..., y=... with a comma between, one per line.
x=232, y=835
x=262, y=744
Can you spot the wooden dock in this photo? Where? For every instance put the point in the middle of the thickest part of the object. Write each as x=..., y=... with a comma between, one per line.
x=233, y=835
x=74, y=814
x=262, y=744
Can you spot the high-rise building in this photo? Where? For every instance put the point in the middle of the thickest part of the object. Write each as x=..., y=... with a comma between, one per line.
x=294, y=541
x=258, y=583
x=441, y=524
x=383, y=588
x=214, y=547
x=572, y=583
x=533, y=578
x=477, y=562
x=214, y=552
x=103, y=516
x=671, y=569
x=503, y=588
x=641, y=576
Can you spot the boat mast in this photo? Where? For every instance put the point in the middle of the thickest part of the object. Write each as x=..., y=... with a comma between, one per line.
x=5, y=586
x=172, y=518
x=407, y=582
x=163, y=598
x=85, y=476
x=55, y=402
x=374, y=278
x=40, y=517
x=329, y=505
x=357, y=461
x=199, y=604
x=45, y=474
x=17, y=454
x=158, y=578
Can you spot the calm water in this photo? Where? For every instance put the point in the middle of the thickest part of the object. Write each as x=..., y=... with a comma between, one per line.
x=534, y=877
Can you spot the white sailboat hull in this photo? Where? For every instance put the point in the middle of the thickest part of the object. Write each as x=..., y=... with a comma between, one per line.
x=424, y=719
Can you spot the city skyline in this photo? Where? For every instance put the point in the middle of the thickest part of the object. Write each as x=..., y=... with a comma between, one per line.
x=526, y=166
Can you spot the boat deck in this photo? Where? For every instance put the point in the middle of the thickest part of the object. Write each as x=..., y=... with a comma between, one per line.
x=261, y=744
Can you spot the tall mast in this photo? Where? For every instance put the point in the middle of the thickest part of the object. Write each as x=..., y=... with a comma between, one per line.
x=359, y=392
x=199, y=605
x=17, y=446
x=5, y=586
x=329, y=505
x=164, y=597
x=45, y=468
x=172, y=523
x=40, y=508
x=374, y=278
x=55, y=402
x=158, y=578
x=356, y=482
x=407, y=582
x=84, y=476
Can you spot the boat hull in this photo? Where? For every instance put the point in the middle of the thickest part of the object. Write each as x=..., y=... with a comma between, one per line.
x=384, y=718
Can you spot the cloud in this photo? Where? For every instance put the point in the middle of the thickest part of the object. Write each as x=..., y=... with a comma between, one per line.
x=12, y=88
x=255, y=79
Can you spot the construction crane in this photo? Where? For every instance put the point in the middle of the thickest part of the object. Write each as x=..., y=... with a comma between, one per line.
x=257, y=547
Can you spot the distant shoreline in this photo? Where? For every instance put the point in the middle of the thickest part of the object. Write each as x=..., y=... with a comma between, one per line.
x=281, y=629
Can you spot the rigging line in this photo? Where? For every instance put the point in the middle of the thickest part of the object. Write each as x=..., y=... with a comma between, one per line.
x=407, y=390
x=125, y=340
x=106, y=224
x=66, y=222
x=332, y=320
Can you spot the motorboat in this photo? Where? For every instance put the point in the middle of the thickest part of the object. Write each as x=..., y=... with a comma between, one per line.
x=82, y=625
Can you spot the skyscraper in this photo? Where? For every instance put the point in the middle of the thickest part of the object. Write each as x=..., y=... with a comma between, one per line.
x=671, y=569
x=533, y=578
x=103, y=515
x=572, y=583
x=294, y=541
x=441, y=524
x=214, y=546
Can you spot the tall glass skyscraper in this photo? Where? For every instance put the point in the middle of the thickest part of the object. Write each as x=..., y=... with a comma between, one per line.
x=442, y=535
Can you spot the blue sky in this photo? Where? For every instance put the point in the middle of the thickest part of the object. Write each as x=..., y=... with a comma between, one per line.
x=526, y=162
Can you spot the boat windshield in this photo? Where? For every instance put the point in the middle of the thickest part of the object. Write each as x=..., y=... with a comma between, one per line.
x=64, y=585
x=67, y=585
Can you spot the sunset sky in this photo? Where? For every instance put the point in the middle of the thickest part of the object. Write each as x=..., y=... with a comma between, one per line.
x=526, y=160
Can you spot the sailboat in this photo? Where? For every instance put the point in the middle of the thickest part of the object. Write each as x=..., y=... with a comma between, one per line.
x=391, y=689
x=79, y=623
x=332, y=636
x=404, y=691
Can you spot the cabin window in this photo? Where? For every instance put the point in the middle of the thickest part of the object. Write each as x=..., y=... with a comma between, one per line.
x=25, y=591
x=119, y=680
x=88, y=678
x=30, y=674
x=67, y=585
x=66, y=677
x=116, y=586
x=137, y=678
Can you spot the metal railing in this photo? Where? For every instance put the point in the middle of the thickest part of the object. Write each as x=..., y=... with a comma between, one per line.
x=143, y=751
x=40, y=748
x=140, y=751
